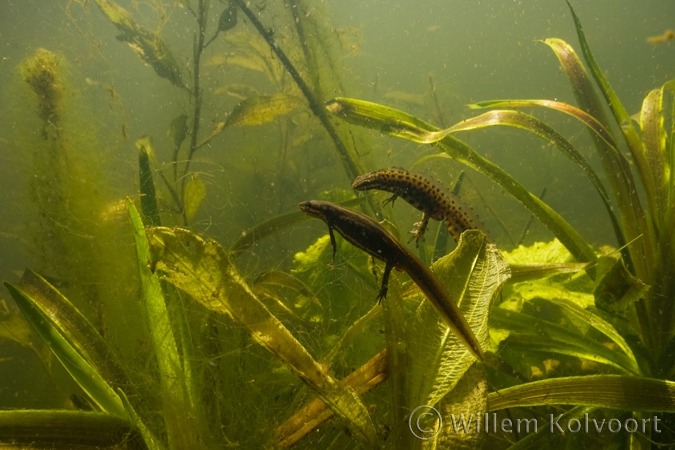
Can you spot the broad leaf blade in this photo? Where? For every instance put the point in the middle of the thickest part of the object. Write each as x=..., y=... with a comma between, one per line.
x=203, y=270
x=473, y=273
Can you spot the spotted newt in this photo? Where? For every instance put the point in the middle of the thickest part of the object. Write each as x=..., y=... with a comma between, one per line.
x=368, y=235
x=425, y=194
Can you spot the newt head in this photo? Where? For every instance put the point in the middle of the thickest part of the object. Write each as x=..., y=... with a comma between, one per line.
x=312, y=208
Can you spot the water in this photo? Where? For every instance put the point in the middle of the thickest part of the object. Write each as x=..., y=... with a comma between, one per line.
x=63, y=181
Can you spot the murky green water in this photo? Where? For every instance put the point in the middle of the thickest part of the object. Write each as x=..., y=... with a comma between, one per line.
x=78, y=103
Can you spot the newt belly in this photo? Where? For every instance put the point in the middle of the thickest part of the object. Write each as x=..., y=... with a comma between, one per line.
x=368, y=235
x=425, y=194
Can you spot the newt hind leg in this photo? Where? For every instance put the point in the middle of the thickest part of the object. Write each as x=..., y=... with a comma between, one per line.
x=419, y=229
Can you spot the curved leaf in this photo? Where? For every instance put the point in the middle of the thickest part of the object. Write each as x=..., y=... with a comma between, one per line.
x=536, y=334
x=82, y=372
x=473, y=273
x=203, y=270
x=603, y=391
x=397, y=123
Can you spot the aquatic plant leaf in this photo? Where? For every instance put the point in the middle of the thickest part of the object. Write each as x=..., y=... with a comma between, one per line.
x=617, y=168
x=178, y=130
x=269, y=226
x=67, y=429
x=238, y=90
x=574, y=303
x=228, y=19
x=308, y=418
x=285, y=279
x=621, y=116
x=473, y=274
x=75, y=327
x=397, y=123
x=537, y=335
x=543, y=252
x=194, y=193
x=616, y=289
x=470, y=397
x=148, y=45
x=148, y=195
x=544, y=438
x=398, y=361
x=527, y=272
x=654, y=142
x=626, y=393
x=148, y=437
x=15, y=329
x=176, y=399
x=591, y=122
x=261, y=109
x=203, y=269
x=82, y=372
x=535, y=126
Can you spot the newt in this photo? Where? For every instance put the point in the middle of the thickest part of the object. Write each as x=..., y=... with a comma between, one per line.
x=365, y=233
x=425, y=194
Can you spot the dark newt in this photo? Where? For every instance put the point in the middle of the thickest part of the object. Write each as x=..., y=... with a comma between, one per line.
x=368, y=235
x=425, y=194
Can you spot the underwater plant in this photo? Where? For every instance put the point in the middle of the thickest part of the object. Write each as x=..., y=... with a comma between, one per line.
x=228, y=358
x=617, y=311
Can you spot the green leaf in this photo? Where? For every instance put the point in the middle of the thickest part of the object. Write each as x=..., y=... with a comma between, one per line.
x=178, y=130
x=473, y=274
x=150, y=440
x=74, y=326
x=396, y=123
x=280, y=278
x=262, y=109
x=654, y=140
x=194, y=193
x=178, y=396
x=203, y=270
x=602, y=391
x=591, y=122
x=66, y=429
x=535, y=126
x=269, y=226
x=148, y=45
x=82, y=372
x=148, y=195
x=617, y=167
x=534, y=334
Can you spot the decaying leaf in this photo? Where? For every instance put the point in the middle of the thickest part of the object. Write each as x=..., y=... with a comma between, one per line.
x=262, y=109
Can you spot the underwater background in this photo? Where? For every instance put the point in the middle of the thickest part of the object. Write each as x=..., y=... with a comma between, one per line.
x=78, y=104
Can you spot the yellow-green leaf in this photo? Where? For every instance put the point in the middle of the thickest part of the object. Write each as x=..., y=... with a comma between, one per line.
x=262, y=109
x=195, y=191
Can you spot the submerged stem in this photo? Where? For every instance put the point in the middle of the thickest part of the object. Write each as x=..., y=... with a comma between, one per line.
x=314, y=104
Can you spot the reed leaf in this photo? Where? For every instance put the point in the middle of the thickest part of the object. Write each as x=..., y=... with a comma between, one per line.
x=616, y=166
x=399, y=124
x=82, y=372
x=72, y=324
x=603, y=391
x=67, y=429
x=538, y=335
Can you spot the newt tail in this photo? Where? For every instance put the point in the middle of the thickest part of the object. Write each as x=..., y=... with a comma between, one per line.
x=425, y=194
x=368, y=235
